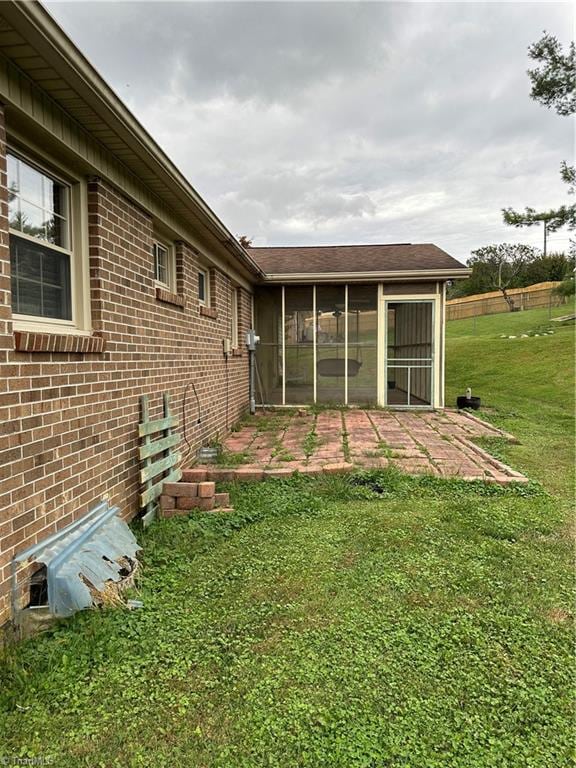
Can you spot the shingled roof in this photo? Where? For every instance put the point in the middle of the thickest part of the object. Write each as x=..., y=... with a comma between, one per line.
x=319, y=259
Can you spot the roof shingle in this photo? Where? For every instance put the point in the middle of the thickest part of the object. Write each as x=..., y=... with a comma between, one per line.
x=316, y=259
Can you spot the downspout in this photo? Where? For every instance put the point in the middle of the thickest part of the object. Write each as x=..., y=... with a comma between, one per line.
x=251, y=396
x=251, y=341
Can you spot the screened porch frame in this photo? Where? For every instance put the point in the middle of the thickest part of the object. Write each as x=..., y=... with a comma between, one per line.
x=437, y=300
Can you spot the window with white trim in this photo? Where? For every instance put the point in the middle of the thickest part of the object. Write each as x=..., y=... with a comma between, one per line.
x=40, y=242
x=164, y=264
x=204, y=287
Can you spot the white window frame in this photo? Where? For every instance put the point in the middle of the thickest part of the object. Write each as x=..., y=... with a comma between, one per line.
x=77, y=220
x=170, y=284
x=234, y=316
x=205, y=302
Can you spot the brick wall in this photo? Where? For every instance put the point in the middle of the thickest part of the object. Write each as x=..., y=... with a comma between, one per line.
x=68, y=420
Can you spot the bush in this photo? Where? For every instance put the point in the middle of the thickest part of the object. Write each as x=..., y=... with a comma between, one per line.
x=566, y=287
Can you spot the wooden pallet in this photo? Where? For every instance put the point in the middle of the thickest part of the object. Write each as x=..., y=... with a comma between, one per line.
x=158, y=455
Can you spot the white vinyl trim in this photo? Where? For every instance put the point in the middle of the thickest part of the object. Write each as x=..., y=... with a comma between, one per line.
x=437, y=353
x=205, y=302
x=443, y=350
x=168, y=247
x=283, y=345
x=40, y=241
x=315, y=351
x=380, y=346
x=346, y=344
x=436, y=397
x=77, y=225
x=44, y=325
x=368, y=277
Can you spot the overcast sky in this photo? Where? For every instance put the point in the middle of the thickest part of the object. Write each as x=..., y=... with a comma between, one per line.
x=305, y=123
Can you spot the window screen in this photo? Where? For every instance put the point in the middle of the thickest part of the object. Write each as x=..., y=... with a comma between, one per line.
x=40, y=280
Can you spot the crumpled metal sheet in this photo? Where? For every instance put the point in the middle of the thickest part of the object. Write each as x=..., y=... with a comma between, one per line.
x=90, y=551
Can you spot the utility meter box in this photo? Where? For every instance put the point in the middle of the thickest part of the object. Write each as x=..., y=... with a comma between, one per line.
x=252, y=339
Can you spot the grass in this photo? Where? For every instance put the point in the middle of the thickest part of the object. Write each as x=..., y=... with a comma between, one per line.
x=368, y=621
x=526, y=386
x=509, y=322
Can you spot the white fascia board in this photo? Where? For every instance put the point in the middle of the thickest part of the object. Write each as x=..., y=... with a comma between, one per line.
x=357, y=277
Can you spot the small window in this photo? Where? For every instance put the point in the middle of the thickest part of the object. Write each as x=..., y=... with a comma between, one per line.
x=164, y=266
x=234, y=317
x=40, y=247
x=203, y=287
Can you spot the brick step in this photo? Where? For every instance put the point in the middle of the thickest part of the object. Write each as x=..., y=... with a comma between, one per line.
x=183, y=497
x=499, y=473
x=227, y=475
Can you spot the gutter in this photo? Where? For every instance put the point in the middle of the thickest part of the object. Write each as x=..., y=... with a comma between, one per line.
x=41, y=31
x=411, y=275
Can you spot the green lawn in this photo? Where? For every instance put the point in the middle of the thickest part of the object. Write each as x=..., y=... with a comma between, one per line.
x=527, y=385
x=375, y=621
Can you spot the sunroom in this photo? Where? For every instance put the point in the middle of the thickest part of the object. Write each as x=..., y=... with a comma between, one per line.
x=338, y=337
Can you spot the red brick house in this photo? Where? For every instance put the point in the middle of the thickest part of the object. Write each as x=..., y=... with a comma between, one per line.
x=117, y=280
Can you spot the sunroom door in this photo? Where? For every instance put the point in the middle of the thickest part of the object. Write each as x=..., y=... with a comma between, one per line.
x=409, y=354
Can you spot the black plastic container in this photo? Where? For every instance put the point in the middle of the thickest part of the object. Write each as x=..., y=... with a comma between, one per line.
x=468, y=402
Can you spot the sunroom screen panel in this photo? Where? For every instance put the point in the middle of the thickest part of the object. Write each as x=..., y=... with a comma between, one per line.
x=330, y=336
x=268, y=316
x=362, y=344
x=299, y=344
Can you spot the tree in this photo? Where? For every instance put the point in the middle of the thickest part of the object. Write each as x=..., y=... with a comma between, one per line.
x=568, y=174
x=566, y=288
x=552, y=220
x=554, y=86
x=245, y=242
x=554, y=82
x=540, y=269
x=552, y=267
x=501, y=267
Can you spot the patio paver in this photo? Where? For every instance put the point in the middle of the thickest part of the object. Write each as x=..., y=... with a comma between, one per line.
x=428, y=442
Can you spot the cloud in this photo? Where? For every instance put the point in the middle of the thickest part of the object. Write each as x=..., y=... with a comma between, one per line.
x=307, y=123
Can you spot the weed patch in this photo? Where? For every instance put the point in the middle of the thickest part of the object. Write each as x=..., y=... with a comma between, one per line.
x=310, y=442
x=226, y=458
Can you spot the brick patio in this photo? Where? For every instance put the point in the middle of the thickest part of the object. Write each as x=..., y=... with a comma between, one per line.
x=438, y=443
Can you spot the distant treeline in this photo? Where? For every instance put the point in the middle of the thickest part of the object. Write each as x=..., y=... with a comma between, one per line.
x=554, y=266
